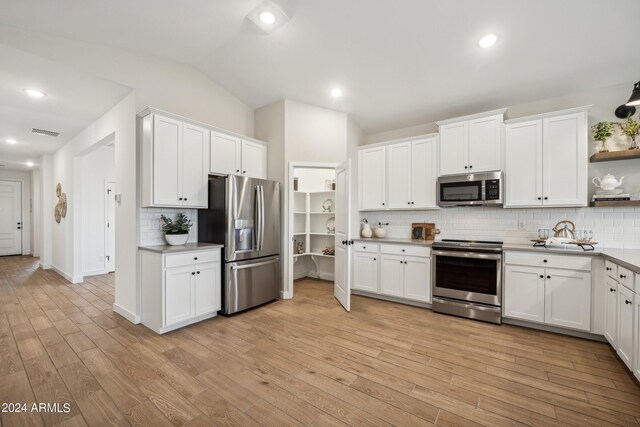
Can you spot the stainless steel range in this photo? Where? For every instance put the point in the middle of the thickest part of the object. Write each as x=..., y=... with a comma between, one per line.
x=467, y=279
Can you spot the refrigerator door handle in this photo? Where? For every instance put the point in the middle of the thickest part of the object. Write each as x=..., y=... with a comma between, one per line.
x=236, y=266
x=258, y=216
x=261, y=218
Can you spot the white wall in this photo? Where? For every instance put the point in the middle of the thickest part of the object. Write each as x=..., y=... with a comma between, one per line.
x=46, y=215
x=27, y=220
x=97, y=167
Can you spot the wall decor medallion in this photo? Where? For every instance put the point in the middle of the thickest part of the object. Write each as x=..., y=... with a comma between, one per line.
x=60, y=210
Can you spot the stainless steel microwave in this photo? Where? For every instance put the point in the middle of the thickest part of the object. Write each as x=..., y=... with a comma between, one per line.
x=470, y=189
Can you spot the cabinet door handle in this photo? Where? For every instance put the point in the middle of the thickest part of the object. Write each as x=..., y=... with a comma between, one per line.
x=413, y=203
x=408, y=203
x=539, y=198
x=403, y=250
x=179, y=198
x=19, y=228
x=627, y=301
x=544, y=260
x=466, y=167
x=622, y=276
x=195, y=258
x=198, y=272
x=542, y=276
x=382, y=203
x=546, y=198
x=470, y=167
x=244, y=172
x=193, y=273
x=374, y=259
x=548, y=277
x=612, y=290
x=608, y=268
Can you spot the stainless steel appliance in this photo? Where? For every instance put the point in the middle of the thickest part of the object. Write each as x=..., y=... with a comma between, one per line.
x=470, y=189
x=244, y=215
x=467, y=279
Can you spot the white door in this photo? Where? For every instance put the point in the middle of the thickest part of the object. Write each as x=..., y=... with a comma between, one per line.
x=453, y=148
x=399, y=171
x=110, y=232
x=10, y=218
x=568, y=299
x=365, y=271
x=524, y=293
x=611, y=312
x=342, y=274
x=207, y=288
x=178, y=294
x=193, y=167
x=372, y=166
x=485, y=135
x=167, y=136
x=424, y=172
x=523, y=164
x=254, y=159
x=417, y=278
x=225, y=154
x=564, y=150
x=391, y=275
x=625, y=326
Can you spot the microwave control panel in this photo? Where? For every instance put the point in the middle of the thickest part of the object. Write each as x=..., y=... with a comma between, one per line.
x=492, y=189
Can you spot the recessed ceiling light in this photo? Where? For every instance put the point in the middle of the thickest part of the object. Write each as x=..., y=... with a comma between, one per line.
x=336, y=92
x=30, y=164
x=11, y=141
x=34, y=93
x=267, y=17
x=488, y=41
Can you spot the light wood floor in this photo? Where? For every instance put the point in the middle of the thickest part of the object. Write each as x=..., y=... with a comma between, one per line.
x=299, y=362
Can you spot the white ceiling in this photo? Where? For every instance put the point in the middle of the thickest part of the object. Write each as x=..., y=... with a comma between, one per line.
x=399, y=63
x=73, y=101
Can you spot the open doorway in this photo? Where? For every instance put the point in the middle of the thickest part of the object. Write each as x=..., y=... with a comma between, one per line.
x=311, y=222
x=97, y=209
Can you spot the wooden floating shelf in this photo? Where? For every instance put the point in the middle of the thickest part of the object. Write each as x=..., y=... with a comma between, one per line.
x=615, y=204
x=615, y=155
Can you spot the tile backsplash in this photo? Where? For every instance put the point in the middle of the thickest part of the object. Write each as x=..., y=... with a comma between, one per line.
x=612, y=227
x=151, y=225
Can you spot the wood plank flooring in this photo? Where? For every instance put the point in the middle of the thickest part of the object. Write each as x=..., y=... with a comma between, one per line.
x=298, y=362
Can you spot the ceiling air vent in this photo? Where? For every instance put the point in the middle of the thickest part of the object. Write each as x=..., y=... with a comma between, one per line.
x=44, y=132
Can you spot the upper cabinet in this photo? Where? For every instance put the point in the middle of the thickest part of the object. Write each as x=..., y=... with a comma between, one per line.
x=177, y=155
x=471, y=144
x=399, y=175
x=174, y=166
x=546, y=160
x=232, y=155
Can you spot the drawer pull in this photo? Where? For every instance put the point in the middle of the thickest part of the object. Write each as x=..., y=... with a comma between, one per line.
x=622, y=276
x=548, y=277
x=374, y=259
x=612, y=290
x=545, y=260
x=195, y=258
x=608, y=268
x=193, y=273
x=627, y=301
x=198, y=272
x=541, y=276
x=403, y=250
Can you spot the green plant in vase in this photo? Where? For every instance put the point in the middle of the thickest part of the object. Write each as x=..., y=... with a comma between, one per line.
x=601, y=132
x=176, y=232
x=631, y=128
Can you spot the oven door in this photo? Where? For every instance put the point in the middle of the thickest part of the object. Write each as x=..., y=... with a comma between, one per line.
x=468, y=276
x=460, y=193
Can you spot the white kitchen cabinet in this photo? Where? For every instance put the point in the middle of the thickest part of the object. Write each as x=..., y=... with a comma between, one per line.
x=625, y=326
x=391, y=275
x=173, y=162
x=636, y=336
x=523, y=164
x=399, y=178
x=611, y=312
x=254, y=159
x=417, y=271
x=372, y=181
x=226, y=154
x=231, y=155
x=546, y=160
x=567, y=299
x=558, y=296
x=181, y=288
x=424, y=172
x=365, y=271
x=525, y=293
x=471, y=144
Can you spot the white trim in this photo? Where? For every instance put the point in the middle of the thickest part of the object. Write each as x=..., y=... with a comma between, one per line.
x=72, y=279
x=400, y=140
x=133, y=318
x=95, y=273
x=286, y=295
x=582, y=109
x=391, y=299
x=548, y=328
x=151, y=110
x=22, y=245
x=44, y=266
x=497, y=112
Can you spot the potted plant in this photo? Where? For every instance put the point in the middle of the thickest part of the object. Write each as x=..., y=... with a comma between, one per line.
x=176, y=232
x=631, y=128
x=601, y=132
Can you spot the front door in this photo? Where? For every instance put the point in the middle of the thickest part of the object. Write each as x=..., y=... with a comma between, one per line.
x=10, y=218
x=342, y=284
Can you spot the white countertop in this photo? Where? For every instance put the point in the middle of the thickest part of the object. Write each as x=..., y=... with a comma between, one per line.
x=395, y=240
x=168, y=249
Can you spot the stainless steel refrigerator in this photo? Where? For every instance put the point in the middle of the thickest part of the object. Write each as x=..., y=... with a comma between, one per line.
x=244, y=215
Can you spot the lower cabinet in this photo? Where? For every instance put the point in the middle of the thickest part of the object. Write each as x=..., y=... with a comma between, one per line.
x=611, y=312
x=636, y=336
x=396, y=270
x=553, y=296
x=179, y=288
x=625, y=326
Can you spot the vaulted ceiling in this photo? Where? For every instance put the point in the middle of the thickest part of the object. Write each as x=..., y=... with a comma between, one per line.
x=398, y=63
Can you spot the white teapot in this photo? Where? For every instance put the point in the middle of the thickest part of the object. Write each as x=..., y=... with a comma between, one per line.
x=608, y=182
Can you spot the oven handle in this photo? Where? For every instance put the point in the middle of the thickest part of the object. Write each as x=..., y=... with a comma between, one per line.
x=458, y=254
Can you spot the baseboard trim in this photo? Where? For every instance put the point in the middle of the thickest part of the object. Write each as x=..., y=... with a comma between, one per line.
x=286, y=295
x=45, y=266
x=95, y=273
x=554, y=329
x=67, y=277
x=135, y=319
